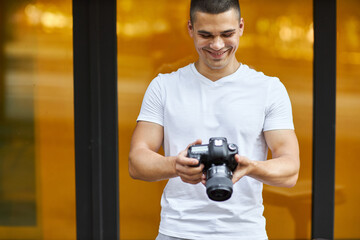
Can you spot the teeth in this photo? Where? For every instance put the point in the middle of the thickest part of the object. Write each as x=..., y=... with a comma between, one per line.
x=216, y=53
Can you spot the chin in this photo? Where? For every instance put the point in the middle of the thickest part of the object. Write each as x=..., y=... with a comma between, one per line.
x=217, y=67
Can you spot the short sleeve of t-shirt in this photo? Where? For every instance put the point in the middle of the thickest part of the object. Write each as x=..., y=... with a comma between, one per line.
x=278, y=113
x=152, y=109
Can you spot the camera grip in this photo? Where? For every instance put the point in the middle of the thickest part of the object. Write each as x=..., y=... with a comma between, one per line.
x=196, y=156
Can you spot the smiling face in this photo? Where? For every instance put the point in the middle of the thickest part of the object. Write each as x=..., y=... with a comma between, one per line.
x=216, y=39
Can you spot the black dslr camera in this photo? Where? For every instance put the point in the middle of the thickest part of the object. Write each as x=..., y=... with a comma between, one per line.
x=219, y=159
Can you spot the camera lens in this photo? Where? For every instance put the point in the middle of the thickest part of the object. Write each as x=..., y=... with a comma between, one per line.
x=218, y=183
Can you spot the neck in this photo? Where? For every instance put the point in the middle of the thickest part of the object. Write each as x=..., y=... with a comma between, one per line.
x=216, y=74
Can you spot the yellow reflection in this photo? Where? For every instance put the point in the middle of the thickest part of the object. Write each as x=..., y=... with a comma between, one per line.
x=125, y=5
x=141, y=28
x=263, y=25
x=285, y=33
x=53, y=20
x=310, y=33
x=352, y=31
x=33, y=14
x=47, y=16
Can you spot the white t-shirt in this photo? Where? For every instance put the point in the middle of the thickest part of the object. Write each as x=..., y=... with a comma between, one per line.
x=240, y=107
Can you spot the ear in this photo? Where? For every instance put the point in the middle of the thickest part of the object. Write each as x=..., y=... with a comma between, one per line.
x=190, y=28
x=241, y=26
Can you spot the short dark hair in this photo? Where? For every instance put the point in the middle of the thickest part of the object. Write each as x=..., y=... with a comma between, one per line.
x=212, y=7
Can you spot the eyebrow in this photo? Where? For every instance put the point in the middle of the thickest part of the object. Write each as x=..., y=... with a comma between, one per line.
x=224, y=32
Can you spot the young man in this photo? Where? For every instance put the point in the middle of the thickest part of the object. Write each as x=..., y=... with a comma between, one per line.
x=217, y=96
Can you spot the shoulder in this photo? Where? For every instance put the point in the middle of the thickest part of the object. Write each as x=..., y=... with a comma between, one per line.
x=176, y=74
x=258, y=80
x=259, y=76
x=174, y=78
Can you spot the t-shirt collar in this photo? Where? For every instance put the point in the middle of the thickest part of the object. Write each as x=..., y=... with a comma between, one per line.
x=220, y=81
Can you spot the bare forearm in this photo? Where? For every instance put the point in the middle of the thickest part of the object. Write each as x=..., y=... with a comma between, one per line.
x=282, y=171
x=148, y=165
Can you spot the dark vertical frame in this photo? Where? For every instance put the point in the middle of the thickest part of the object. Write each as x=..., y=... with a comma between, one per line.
x=324, y=119
x=96, y=129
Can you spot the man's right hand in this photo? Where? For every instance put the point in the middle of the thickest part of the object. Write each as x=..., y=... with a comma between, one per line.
x=185, y=169
x=145, y=163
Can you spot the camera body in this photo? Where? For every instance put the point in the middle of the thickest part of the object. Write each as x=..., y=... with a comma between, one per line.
x=219, y=162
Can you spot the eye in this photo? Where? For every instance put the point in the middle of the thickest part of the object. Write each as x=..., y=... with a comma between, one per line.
x=206, y=36
x=227, y=35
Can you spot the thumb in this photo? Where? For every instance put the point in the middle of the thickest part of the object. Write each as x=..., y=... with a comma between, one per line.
x=239, y=171
x=197, y=142
x=239, y=159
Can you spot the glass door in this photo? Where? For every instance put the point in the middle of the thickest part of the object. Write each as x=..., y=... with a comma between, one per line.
x=37, y=174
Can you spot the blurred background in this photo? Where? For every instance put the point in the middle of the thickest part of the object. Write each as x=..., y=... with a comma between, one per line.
x=37, y=170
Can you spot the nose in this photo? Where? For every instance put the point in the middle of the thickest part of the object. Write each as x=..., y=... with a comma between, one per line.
x=217, y=43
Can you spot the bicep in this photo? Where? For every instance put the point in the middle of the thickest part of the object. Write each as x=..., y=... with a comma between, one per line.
x=147, y=135
x=282, y=143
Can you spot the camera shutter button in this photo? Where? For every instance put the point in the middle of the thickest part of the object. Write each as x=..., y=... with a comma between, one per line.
x=232, y=147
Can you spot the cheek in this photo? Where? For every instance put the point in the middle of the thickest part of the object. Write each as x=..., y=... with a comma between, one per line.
x=233, y=43
x=202, y=43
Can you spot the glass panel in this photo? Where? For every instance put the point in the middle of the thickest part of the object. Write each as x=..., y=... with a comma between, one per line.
x=347, y=194
x=17, y=198
x=278, y=40
x=37, y=185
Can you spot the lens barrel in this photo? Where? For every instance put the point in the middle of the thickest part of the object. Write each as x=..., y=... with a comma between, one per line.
x=218, y=183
